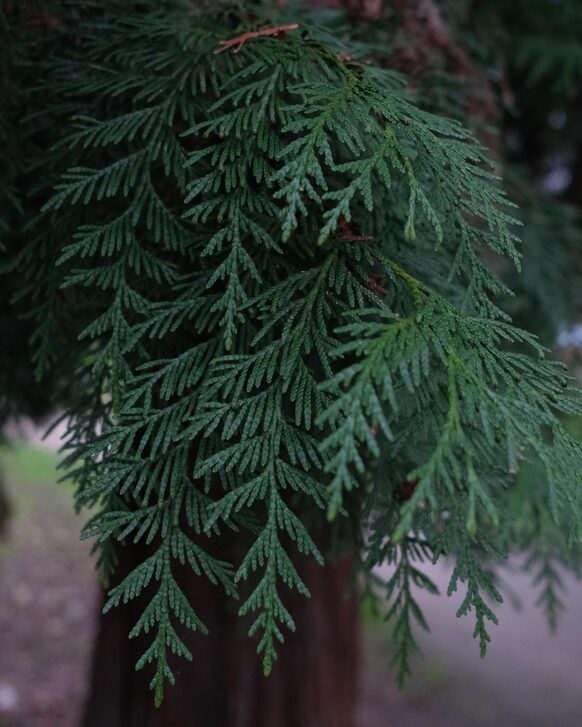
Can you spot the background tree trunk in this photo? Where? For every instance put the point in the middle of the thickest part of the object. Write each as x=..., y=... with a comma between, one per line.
x=313, y=683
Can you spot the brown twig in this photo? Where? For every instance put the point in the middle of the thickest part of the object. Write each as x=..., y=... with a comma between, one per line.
x=374, y=279
x=349, y=234
x=240, y=40
x=405, y=490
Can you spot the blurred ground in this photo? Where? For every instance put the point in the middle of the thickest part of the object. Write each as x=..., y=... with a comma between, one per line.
x=47, y=597
x=47, y=605
x=529, y=677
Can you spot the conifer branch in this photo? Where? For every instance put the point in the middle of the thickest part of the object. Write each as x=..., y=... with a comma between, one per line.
x=258, y=282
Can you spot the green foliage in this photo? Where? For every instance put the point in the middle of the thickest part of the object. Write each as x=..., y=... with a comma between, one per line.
x=545, y=38
x=264, y=276
x=20, y=394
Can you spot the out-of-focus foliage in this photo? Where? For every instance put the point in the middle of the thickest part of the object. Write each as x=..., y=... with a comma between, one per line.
x=21, y=394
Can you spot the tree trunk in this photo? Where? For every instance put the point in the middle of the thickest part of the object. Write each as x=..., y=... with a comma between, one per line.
x=313, y=683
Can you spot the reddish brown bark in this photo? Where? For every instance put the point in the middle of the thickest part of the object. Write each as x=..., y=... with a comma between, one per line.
x=312, y=684
x=369, y=9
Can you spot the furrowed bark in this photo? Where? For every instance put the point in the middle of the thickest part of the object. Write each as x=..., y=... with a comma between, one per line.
x=313, y=682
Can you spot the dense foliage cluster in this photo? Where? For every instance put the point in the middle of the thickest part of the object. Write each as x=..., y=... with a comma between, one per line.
x=262, y=283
